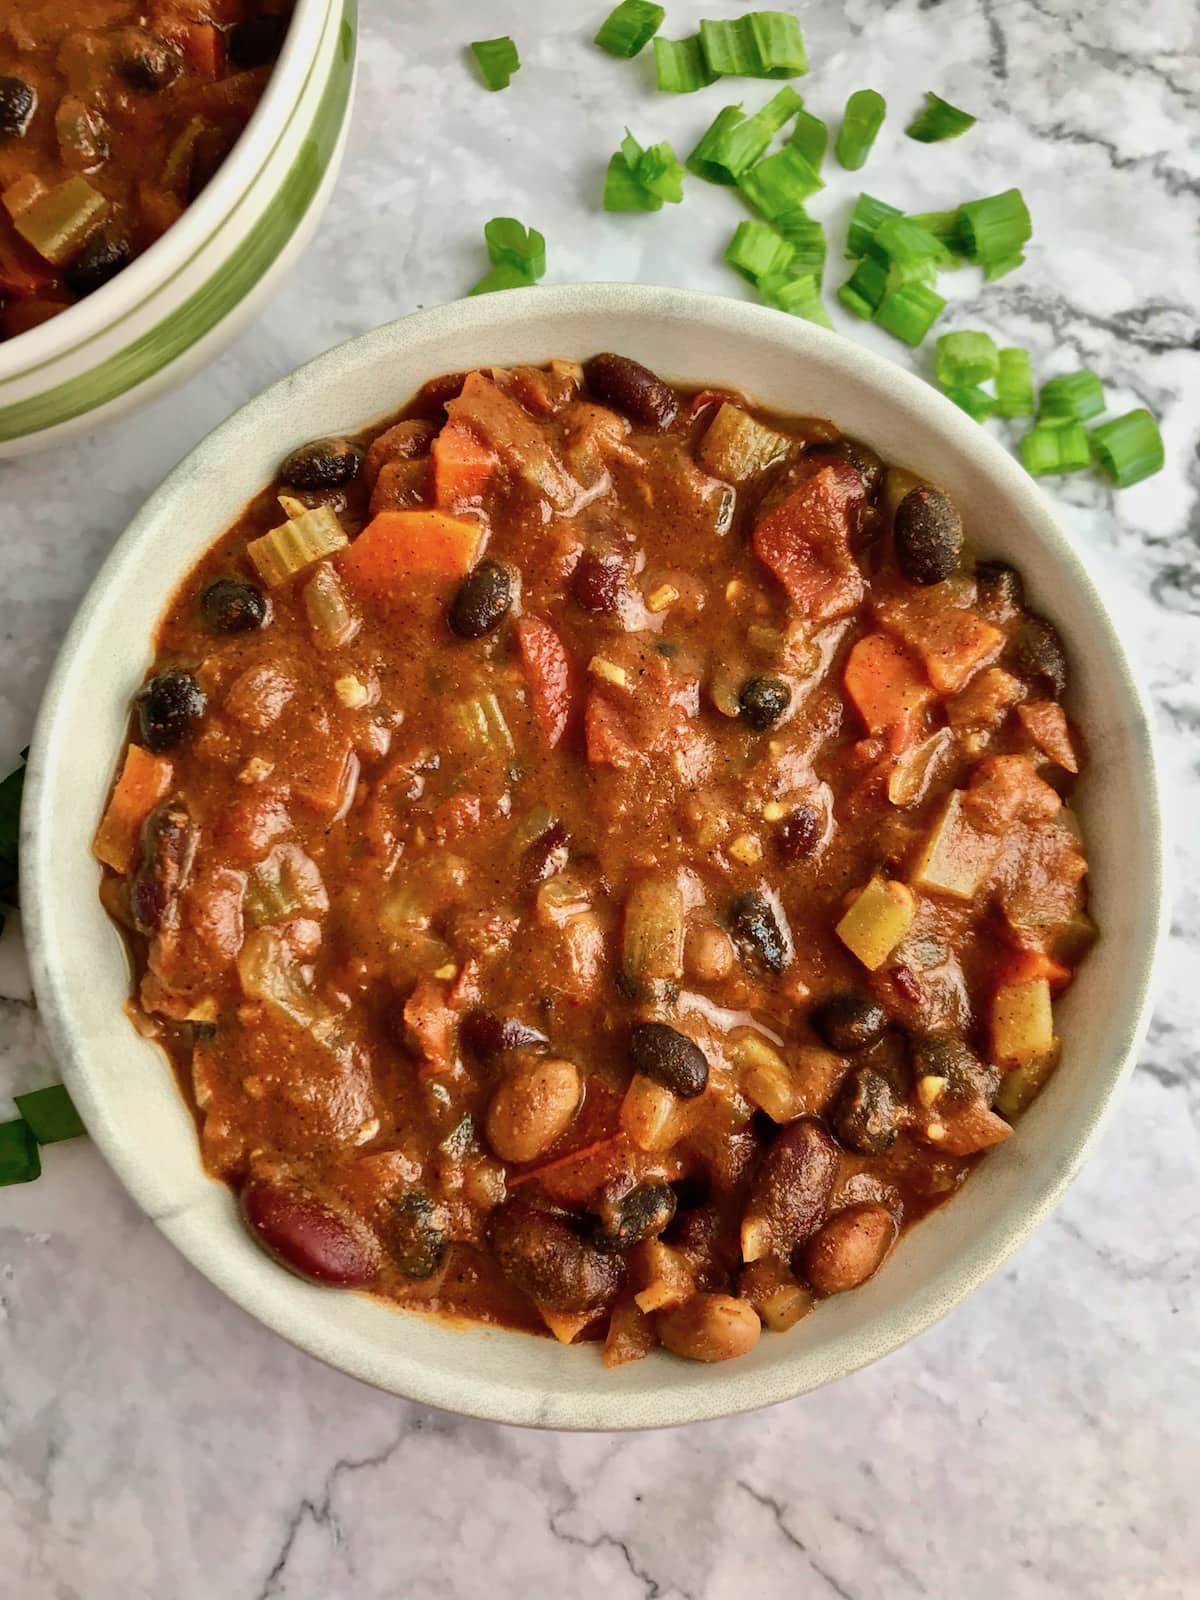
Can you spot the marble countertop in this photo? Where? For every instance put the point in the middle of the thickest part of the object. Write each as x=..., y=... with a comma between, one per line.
x=1044, y=1441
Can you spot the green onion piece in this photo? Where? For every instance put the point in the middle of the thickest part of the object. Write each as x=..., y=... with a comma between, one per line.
x=734, y=143
x=762, y=44
x=861, y=121
x=799, y=295
x=19, y=1158
x=757, y=251
x=1049, y=450
x=1074, y=397
x=943, y=225
x=656, y=169
x=868, y=213
x=510, y=243
x=909, y=311
x=965, y=358
x=939, y=120
x=1129, y=448
x=969, y=397
x=50, y=1114
x=807, y=238
x=505, y=276
x=864, y=290
x=999, y=269
x=907, y=249
x=1014, y=383
x=780, y=183
x=680, y=67
x=497, y=60
x=811, y=137
x=995, y=228
x=622, y=191
x=629, y=28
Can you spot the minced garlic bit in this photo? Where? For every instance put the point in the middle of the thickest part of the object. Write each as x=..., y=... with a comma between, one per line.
x=746, y=848
x=773, y=811
x=449, y=970
x=254, y=1087
x=351, y=691
x=659, y=599
x=601, y=667
x=929, y=1088
x=936, y=1131
x=733, y=589
x=255, y=770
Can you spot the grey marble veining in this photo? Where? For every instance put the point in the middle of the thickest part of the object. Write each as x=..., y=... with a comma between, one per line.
x=155, y=1444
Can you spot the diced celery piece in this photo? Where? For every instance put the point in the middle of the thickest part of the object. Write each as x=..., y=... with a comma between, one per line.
x=765, y=1077
x=877, y=921
x=57, y=221
x=296, y=544
x=1020, y=1087
x=1022, y=1022
x=652, y=946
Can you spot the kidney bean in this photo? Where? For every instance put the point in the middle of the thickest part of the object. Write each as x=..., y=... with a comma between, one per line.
x=799, y=833
x=633, y=389
x=489, y=1035
x=849, y=1249
x=710, y=1327
x=168, y=850
x=849, y=1022
x=864, y=1113
x=626, y=1218
x=308, y=1237
x=669, y=1057
x=598, y=582
x=549, y=1262
x=531, y=1107
x=928, y=535
x=546, y=856
x=792, y=1188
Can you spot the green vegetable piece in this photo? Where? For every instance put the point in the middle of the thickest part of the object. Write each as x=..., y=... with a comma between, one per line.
x=780, y=183
x=660, y=173
x=909, y=311
x=712, y=156
x=733, y=143
x=505, y=276
x=945, y=227
x=994, y=229
x=807, y=238
x=799, y=296
x=680, y=67
x=868, y=213
x=965, y=358
x=19, y=1158
x=861, y=122
x=630, y=27
x=1057, y=449
x=762, y=44
x=906, y=248
x=1000, y=269
x=1129, y=448
x=1014, y=383
x=939, y=120
x=623, y=192
x=864, y=289
x=1073, y=397
x=510, y=243
x=969, y=397
x=810, y=137
x=497, y=60
x=757, y=251
x=50, y=1114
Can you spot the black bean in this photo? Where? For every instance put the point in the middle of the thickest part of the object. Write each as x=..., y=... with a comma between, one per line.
x=968, y=1079
x=1038, y=654
x=256, y=41
x=321, y=464
x=102, y=257
x=413, y=1235
x=755, y=927
x=669, y=1057
x=1000, y=594
x=849, y=1022
x=488, y=1034
x=633, y=389
x=928, y=534
x=231, y=605
x=146, y=62
x=547, y=855
x=483, y=600
x=18, y=102
x=799, y=833
x=625, y=1219
x=548, y=1261
x=762, y=701
x=168, y=708
x=864, y=1112
x=598, y=582
x=860, y=456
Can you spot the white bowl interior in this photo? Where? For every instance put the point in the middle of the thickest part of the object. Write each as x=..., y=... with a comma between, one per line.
x=122, y=1084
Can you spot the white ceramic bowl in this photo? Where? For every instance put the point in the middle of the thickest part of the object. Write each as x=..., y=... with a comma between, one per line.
x=122, y=1084
x=182, y=300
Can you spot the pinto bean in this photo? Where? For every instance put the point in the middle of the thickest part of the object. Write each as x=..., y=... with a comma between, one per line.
x=791, y=1190
x=707, y=953
x=710, y=1327
x=308, y=1237
x=633, y=389
x=849, y=1249
x=532, y=1107
x=549, y=1262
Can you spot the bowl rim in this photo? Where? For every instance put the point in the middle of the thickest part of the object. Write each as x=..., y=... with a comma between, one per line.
x=727, y=1394
x=69, y=333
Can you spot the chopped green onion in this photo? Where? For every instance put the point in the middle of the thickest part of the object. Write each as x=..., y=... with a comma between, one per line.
x=733, y=143
x=622, y=191
x=780, y=183
x=909, y=311
x=861, y=121
x=640, y=180
x=510, y=243
x=939, y=120
x=497, y=60
x=969, y=397
x=757, y=251
x=504, y=276
x=1074, y=397
x=50, y=1114
x=1129, y=448
x=943, y=225
x=1014, y=383
x=999, y=269
x=659, y=172
x=630, y=27
x=19, y=1158
x=811, y=137
x=907, y=249
x=868, y=213
x=762, y=44
x=995, y=228
x=1050, y=450
x=864, y=290
x=798, y=295
x=807, y=238
x=680, y=67
x=965, y=358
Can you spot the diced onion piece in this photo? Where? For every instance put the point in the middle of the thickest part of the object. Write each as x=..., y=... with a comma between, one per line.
x=868, y=213
x=967, y=356
x=939, y=120
x=1022, y=1022
x=330, y=616
x=764, y=1076
x=648, y=1115
x=497, y=60
x=566, y=1326
x=957, y=858
x=861, y=121
x=909, y=779
x=666, y=1278
x=877, y=921
x=630, y=27
x=268, y=973
x=284, y=551
x=652, y=941
x=680, y=67
x=1129, y=448
x=56, y=221
x=1071, y=397
x=736, y=448
x=1050, y=450
x=1014, y=383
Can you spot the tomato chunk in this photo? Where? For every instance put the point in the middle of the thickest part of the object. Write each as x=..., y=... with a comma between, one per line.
x=548, y=669
x=805, y=542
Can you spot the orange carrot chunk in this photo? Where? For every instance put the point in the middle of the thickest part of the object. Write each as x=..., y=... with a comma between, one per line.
x=548, y=669
x=145, y=780
x=887, y=687
x=462, y=466
x=398, y=545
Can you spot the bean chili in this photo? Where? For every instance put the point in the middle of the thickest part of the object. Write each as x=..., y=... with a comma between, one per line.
x=597, y=857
